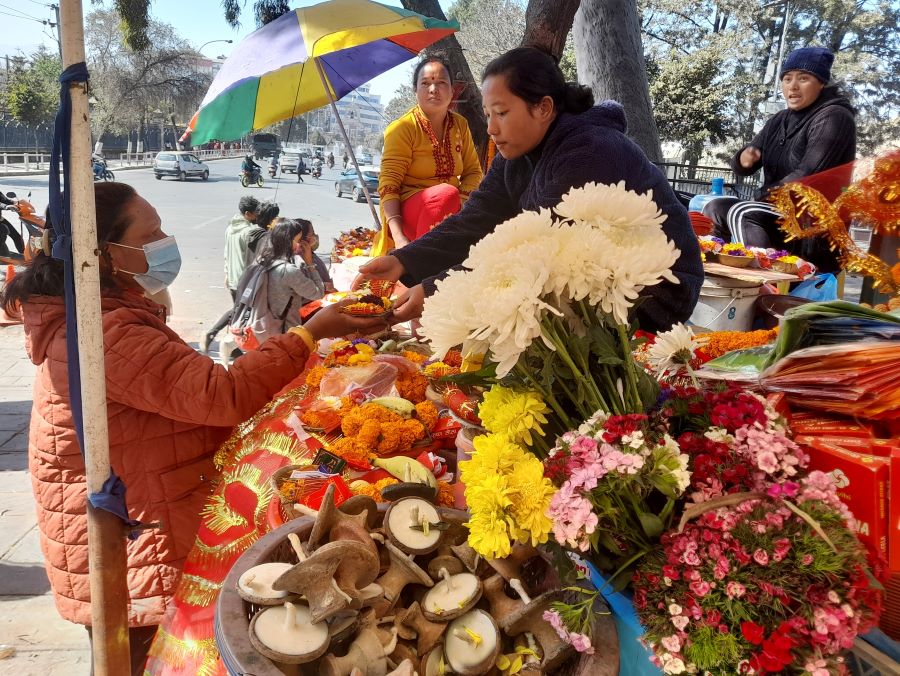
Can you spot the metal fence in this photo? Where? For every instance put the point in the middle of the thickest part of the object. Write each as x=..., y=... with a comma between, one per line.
x=697, y=180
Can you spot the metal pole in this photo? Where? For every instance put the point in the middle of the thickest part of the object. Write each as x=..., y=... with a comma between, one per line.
x=337, y=117
x=58, y=32
x=106, y=535
x=784, y=30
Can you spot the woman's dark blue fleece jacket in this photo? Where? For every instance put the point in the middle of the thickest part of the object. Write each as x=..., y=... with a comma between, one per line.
x=578, y=149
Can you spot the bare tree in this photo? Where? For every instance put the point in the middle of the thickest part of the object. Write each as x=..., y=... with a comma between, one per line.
x=610, y=60
x=126, y=85
x=547, y=24
x=487, y=29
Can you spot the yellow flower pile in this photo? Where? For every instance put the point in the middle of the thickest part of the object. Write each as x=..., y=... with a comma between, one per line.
x=507, y=495
x=516, y=413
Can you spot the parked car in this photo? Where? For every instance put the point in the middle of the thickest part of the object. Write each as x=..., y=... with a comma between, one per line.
x=349, y=182
x=180, y=164
x=365, y=158
x=289, y=162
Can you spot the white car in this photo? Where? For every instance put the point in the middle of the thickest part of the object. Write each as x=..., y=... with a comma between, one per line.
x=179, y=164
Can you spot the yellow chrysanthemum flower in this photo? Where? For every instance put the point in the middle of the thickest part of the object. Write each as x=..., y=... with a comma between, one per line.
x=530, y=493
x=494, y=454
x=489, y=535
x=517, y=414
x=489, y=493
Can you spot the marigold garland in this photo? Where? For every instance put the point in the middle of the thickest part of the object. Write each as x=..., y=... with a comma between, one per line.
x=412, y=386
x=717, y=343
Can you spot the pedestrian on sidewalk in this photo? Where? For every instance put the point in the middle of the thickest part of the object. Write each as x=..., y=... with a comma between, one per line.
x=169, y=409
x=240, y=249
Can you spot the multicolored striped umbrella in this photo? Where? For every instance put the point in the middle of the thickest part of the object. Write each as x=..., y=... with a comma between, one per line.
x=271, y=75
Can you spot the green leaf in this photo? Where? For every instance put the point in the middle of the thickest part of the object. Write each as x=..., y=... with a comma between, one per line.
x=604, y=346
x=486, y=375
x=652, y=524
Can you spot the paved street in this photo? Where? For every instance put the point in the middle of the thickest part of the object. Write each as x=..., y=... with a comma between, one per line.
x=196, y=212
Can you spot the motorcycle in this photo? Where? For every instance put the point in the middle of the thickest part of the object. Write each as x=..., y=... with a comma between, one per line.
x=317, y=169
x=101, y=170
x=250, y=177
x=31, y=222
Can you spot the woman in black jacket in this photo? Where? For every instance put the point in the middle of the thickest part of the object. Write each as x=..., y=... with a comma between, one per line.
x=815, y=133
x=550, y=138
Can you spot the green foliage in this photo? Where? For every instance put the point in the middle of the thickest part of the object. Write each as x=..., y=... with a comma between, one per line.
x=264, y=11
x=404, y=98
x=712, y=648
x=32, y=94
x=690, y=98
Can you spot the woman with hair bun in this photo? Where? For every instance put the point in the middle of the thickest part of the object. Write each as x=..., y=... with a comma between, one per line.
x=550, y=138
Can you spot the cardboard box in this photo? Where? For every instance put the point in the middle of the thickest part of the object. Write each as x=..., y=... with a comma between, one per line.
x=862, y=482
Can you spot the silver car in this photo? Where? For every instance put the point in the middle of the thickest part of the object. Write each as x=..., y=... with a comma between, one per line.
x=180, y=164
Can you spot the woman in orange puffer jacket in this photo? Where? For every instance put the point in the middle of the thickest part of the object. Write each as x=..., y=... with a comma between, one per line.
x=169, y=409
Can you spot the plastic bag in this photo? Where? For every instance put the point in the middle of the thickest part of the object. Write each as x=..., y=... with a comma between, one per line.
x=821, y=288
x=376, y=379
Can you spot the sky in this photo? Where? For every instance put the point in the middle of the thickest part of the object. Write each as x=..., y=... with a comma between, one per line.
x=198, y=21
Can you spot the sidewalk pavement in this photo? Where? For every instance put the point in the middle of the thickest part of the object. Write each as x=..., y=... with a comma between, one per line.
x=44, y=643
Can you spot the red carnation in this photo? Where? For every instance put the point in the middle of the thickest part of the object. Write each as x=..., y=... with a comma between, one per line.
x=752, y=632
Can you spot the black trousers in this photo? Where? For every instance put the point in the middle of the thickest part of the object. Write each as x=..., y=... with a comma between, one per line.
x=222, y=321
x=756, y=224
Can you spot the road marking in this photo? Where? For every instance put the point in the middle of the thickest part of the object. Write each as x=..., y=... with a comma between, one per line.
x=207, y=222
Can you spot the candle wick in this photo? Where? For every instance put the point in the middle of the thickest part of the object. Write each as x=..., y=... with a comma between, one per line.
x=472, y=638
x=249, y=581
x=448, y=579
x=298, y=548
x=290, y=616
x=520, y=590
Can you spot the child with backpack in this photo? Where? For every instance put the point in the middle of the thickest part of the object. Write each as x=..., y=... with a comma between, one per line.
x=273, y=290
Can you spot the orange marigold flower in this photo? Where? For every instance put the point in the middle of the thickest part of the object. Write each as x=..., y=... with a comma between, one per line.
x=427, y=414
x=895, y=273
x=412, y=387
x=315, y=374
x=369, y=434
x=413, y=356
x=445, y=495
x=717, y=343
x=453, y=358
x=349, y=450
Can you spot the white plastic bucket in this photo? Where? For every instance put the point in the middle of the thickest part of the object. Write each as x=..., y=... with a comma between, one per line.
x=725, y=307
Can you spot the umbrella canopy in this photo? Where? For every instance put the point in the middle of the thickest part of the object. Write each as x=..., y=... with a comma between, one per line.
x=271, y=76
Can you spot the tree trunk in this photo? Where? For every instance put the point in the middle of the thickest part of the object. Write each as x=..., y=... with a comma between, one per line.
x=610, y=60
x=547, y=24
x=469, y=103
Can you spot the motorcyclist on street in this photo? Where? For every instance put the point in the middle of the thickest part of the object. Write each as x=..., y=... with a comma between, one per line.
x=97, y=165
x=249, y=165
x=8, y=230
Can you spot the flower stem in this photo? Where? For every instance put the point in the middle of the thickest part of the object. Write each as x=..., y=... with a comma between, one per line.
x=548, y=397
x=633, y=397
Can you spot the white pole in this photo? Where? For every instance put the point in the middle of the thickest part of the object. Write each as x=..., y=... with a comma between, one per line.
x=106, y=535
x=362, y=180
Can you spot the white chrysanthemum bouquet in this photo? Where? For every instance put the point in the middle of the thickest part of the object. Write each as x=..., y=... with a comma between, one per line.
x=546, y=298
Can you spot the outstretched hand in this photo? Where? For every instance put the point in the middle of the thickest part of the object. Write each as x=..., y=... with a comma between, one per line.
x=330, y=322
x=383, y=267
x=409, y=305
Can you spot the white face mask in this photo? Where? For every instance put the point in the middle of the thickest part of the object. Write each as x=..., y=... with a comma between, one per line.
x=163, y=264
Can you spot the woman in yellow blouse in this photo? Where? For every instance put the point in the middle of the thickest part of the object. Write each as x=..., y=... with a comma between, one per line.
x=429, y=164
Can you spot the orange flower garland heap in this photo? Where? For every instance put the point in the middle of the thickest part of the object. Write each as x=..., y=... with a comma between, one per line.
x=717, y=343
x=373, y=429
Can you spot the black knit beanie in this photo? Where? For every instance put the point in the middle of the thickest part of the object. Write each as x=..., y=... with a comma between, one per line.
x=815, y=60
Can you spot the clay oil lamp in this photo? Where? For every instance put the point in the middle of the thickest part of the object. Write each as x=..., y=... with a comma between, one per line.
x=472, y=643
x=288, y=635
x=528, y=618
x=366, y=654
x=342, y=628
x=434, y=663
x=444, y=559
x=429, y=632
x=331, y=577
x=402, y=571
x=255, y=585
x=414, y=525
x=453, y=596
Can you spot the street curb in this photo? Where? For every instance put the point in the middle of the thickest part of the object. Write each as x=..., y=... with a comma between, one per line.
x=13, y=174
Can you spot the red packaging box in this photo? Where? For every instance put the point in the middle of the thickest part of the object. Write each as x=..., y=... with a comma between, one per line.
x=894, y=525
x=862, y=483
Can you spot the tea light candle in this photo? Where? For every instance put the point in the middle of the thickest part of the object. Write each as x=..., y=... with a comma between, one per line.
x=453, y=594
x=472, y=643
x=257, y=581
x=289, y=630
x=408, y=525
